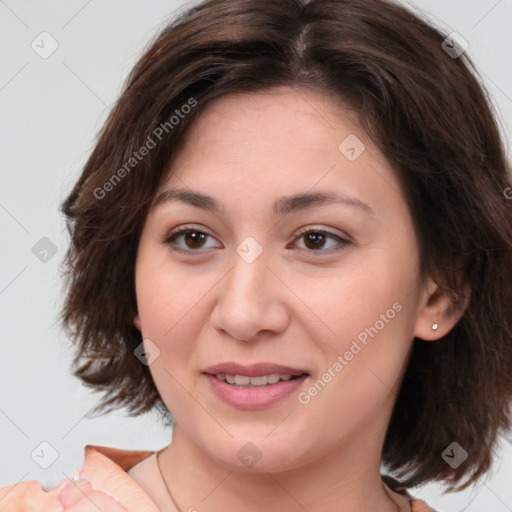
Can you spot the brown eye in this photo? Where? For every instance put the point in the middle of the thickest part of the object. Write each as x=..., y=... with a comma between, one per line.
x=314, y=240
x=320, y=241
x=194, y=239
x=188, y=239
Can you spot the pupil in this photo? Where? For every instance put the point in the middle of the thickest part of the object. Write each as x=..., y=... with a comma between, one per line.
x=195, y=238
x=317, y=239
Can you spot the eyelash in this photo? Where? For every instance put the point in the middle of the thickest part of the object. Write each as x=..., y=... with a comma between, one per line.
x=183, y=230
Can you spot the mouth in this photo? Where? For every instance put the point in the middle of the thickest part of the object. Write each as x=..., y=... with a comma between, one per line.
x=261, y=381
x=260, y=374
x=255, y=386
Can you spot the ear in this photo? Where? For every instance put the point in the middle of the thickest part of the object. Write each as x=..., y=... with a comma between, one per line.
x=439, y=311
x=136, y=322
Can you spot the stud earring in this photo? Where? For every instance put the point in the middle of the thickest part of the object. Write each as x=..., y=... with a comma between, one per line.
x=434, y=327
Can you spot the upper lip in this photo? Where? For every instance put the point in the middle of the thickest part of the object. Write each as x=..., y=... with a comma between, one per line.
x=253, y=370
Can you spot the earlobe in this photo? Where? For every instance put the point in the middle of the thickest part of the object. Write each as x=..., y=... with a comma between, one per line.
x=136, y=322
x=439, y=312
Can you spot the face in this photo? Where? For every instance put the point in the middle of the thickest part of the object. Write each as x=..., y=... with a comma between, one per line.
x=253, y=284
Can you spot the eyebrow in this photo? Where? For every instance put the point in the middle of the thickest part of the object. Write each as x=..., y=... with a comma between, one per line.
x=282, y=206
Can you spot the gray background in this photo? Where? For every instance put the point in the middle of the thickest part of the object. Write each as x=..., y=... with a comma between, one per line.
x=51, y=111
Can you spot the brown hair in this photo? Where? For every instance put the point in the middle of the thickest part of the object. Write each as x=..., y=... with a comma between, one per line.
x=427, y=112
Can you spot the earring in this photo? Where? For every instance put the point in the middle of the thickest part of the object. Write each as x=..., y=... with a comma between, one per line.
x=434, y=327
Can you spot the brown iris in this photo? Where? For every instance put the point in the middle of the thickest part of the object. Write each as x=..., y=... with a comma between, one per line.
x=316, y=239
x=195, y=238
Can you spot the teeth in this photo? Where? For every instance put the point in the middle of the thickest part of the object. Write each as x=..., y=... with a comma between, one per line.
x=246, y=381
x=242, y=380
x=274, y=377
x=261, y=381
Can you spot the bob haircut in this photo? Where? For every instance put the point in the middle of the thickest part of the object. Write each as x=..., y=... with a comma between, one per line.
x=429, y=114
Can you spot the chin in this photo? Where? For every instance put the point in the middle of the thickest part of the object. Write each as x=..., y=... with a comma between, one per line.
x=259, y=455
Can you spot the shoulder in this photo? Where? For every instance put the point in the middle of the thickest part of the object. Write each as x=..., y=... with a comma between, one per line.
x=105, y=467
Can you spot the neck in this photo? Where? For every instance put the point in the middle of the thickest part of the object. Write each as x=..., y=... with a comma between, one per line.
x=330, y=483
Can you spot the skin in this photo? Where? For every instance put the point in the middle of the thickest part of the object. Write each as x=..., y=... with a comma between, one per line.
x=294, y=305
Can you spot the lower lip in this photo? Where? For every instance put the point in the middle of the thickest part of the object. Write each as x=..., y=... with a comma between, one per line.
x=254, y=397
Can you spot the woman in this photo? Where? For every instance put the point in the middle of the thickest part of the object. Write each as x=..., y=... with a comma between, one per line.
x=293, y=234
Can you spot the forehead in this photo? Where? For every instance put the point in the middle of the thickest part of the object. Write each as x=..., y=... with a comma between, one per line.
x=283, y=140
x=280, y=117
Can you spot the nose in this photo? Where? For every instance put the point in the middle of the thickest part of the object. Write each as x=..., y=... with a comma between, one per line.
x=251, y=301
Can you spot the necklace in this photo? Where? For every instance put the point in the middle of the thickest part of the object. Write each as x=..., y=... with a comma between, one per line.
x=165, y=483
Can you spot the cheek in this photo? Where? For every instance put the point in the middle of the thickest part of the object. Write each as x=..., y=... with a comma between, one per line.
x=164, y=293
x=172, y=314
x=360, y=301
x=168, y=303
x=367, y=310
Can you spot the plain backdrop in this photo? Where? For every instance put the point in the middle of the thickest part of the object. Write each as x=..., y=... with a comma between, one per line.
x=51, y=111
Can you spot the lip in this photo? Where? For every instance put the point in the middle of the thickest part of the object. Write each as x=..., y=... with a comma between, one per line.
x=254, y=398
x=253, y=370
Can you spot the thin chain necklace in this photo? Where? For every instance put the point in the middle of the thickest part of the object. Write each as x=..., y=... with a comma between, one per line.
x=178, y=508
x=165, y=483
